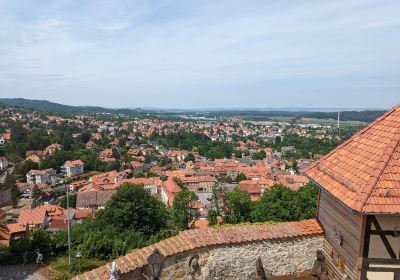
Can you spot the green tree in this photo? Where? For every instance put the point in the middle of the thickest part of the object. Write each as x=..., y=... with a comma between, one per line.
x=240, y=177
x=281, y=204
x=24, y=167
x=190, y=157
x=133, y=208
x=19, y=133
x=10, y=183
x=72, y=201
x=237, y=206
x=182, y=211
x=259, y=155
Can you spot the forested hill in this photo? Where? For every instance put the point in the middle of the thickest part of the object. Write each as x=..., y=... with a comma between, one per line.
x=51, y=106
x=363, y=115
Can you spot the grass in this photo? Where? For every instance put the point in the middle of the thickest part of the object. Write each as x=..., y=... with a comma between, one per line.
x=62, y=270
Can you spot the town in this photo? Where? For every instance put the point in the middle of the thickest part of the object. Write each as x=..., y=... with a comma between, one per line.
x=199, y=140
x=59, y=170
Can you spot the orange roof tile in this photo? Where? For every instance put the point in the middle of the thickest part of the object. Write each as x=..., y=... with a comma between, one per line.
x=364, y=172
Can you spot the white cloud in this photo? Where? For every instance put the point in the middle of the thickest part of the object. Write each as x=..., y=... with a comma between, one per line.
x=115, y=26
x=189, y=52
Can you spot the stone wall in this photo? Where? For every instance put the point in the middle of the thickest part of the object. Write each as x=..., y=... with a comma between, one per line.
x=5, y=197
x=224, y=253
x=279, y=257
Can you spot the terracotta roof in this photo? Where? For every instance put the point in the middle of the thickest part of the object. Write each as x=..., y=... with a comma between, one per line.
x=32, y=217
x=200, y=238
x=170, y=186
x=364, y=172
x=73, y=163
x=88, y=199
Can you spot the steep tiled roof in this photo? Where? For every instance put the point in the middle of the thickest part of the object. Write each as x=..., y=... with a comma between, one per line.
x=200, y=238
x=32, y=217
x=364, y=172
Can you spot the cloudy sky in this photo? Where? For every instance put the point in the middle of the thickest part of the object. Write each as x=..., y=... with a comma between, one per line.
x=202, y=54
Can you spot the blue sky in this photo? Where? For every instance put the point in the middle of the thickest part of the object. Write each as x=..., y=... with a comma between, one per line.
x=202, y=54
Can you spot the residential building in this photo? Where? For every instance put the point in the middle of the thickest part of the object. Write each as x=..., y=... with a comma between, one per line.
x=3, y=163
x=73, y=167
x=12, y=232
x=47, y=176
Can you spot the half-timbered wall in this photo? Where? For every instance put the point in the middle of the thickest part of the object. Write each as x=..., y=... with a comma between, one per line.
x=378, y=250
x=338, y=221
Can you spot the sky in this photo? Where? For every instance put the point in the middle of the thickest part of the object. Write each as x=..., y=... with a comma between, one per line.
x=202, y=54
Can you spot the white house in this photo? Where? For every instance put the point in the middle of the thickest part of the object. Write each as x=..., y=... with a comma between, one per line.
x=47, y=176
x=73, y=167
x=3, y=163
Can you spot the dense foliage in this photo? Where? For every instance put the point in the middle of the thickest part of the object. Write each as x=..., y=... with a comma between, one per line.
x=195, y=142
x=305, y=147
x=183, y=212
x=277, y=204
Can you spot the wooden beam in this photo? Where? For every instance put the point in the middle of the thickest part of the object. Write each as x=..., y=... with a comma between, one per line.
x=383, y=237
x=385, y=232
x=367, y=235
x=381, y=261
x=384, y=269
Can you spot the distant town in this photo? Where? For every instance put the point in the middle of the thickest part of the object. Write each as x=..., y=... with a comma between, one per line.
x=191, y=171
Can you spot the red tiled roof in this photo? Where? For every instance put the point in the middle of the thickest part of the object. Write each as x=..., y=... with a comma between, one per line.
x=364, y=172
x=200, y=238
x=73, y=163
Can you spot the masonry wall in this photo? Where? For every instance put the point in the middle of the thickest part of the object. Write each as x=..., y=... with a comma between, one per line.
x=224, y=253
x=5, y=197
x=279, y=257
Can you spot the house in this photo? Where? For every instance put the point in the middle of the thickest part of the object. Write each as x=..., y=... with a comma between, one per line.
x=293, y=182
x=50, y=150
x=137, y=167
x=36, y=156
x=256, y=187
x=48, y=217
x=73, y=167
x=47, y=176
x=359, y=202
x=168, y=190
x=3, y=163
x=93, y=199
x=90, y=144
x=12, y=232
x=4, y=138
x=151, y=184
x=199, y=184
x=35, y=218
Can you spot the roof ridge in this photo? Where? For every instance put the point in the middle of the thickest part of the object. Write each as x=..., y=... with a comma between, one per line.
x=389, y=152
x=362, y=131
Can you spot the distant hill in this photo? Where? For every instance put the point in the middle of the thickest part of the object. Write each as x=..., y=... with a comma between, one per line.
x=346, y=115
x=51, y=106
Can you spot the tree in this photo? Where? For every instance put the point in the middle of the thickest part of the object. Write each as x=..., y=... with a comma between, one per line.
x=190, y=157
x=240, y=177
x=281, y=204
x=237, y=206
x=133, y=208
x=24, y=167
x=182, y=211
x=259, y=155
x=10, y=183
x=72, y=201
x=179, y=182
x=19, y=133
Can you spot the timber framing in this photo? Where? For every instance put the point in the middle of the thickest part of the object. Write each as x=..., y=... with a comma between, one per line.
x=384, y=264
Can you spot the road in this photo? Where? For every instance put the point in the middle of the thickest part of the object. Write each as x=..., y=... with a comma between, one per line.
x=19, y=272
